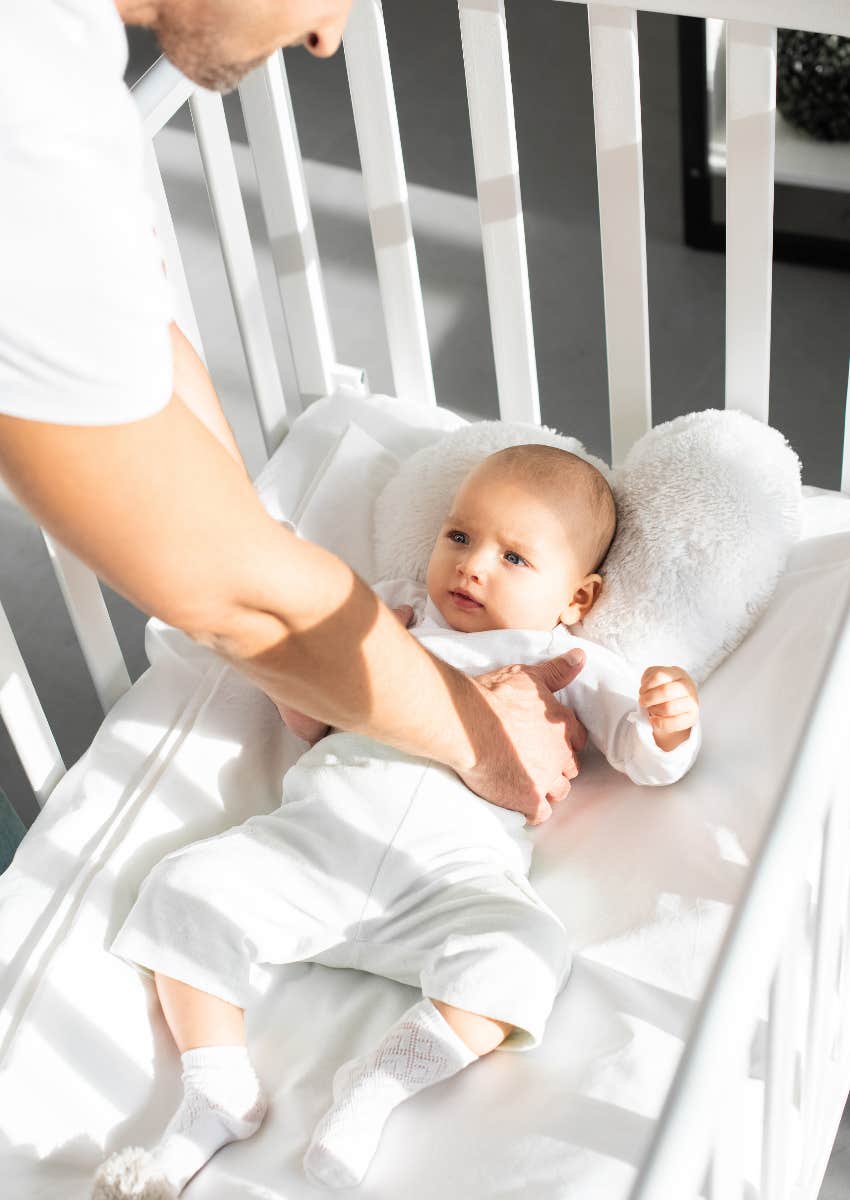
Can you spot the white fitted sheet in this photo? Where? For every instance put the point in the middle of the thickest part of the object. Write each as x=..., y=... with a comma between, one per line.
x=643, y=879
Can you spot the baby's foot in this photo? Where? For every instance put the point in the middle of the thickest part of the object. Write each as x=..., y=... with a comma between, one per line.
x=223, y=1102
x=421, y=1049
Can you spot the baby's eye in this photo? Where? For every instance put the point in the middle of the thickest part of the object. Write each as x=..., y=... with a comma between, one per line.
x=514, y=558
x=456, y=535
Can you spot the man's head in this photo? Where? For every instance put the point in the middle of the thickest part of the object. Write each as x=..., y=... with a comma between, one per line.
x=523, y=541
x=216, y=42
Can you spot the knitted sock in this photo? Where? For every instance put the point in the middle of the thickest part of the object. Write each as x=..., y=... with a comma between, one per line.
x=222, y=1101
x=420, y=1049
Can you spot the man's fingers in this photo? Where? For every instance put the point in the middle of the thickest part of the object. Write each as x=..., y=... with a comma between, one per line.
x=576, y=732
x=543, y=813
x=556, y=673
x=571, y=771
x=559, y=790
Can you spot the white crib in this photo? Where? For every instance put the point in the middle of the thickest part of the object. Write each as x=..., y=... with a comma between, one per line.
x=792, y=917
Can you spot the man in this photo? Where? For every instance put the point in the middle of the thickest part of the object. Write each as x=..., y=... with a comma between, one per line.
x=113, y=438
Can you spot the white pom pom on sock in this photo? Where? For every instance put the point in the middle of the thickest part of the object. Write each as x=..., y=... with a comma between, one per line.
x=223, y=1101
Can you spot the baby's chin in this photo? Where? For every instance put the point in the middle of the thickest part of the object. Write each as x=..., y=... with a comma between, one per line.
x=474, y=620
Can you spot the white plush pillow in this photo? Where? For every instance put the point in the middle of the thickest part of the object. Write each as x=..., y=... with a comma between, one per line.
x=708, y=508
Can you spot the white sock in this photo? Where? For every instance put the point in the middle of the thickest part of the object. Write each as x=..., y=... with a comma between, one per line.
x=223, y=1101
x=420, y=1049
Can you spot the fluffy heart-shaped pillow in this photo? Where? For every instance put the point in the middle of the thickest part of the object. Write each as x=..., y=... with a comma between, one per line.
x=708, y=508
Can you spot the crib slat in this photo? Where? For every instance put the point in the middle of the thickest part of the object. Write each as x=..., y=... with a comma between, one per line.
x=750, y=153
x=845, y=460
x=24, y=718
x=726, y=1169
x=831, y=888
x=89, y=615
x=843, y=1038
x=491, y=114
x=779, y=1074
x=235, y=240
x=373, y=101
x=185, y=314
x=817, y=16
x=619, y=158
x=159, y=93
x=270, y=123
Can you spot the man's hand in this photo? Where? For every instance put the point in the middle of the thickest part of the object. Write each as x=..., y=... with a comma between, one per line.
x=532, y=770
x=308, y=728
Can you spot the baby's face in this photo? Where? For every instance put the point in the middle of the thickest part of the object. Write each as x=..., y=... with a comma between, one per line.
x=503, y=559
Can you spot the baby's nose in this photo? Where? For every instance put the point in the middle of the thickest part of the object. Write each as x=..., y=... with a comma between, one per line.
x=471, y=568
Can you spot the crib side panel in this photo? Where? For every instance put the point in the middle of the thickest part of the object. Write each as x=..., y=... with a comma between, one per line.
x=787, y=951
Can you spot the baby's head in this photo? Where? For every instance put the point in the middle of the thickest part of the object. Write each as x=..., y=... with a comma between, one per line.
x=522, y=542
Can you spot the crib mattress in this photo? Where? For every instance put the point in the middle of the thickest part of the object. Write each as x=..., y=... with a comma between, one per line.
x=644, y=880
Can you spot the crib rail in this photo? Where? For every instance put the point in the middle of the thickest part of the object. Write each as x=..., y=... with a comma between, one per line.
x=815, y=16
x=783, y=926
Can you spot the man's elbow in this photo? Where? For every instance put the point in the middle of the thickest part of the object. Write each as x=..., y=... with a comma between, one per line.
x=234, y=632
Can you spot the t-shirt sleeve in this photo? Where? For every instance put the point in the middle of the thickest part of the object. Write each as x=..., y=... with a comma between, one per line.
x=84, y=304
x=604, y=696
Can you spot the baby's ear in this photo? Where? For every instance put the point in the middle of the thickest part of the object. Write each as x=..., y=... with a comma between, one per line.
x=583, y=600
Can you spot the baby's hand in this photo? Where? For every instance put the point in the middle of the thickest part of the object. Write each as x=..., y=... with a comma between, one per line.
x=307, y=728
x=670, y=698
x=404, y=613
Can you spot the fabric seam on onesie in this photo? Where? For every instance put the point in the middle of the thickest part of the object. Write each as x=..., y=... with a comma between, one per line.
x=357, y=939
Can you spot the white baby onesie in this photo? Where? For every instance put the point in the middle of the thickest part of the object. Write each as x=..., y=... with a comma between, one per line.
x=386, y=862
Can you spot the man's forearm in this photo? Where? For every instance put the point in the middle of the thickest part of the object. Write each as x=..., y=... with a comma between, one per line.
x=286, y=637
x=162, y=513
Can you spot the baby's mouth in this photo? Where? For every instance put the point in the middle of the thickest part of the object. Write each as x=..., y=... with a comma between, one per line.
x=464, y=600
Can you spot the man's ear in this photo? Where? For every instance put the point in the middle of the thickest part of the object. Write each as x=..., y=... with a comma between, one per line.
x=583, y=600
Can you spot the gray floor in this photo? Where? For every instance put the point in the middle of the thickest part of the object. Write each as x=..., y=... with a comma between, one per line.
x=554, y=119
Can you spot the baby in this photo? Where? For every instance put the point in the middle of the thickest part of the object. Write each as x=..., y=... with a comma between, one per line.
x=388, y=863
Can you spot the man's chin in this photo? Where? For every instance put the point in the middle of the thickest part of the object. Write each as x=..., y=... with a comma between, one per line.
x=214, y=77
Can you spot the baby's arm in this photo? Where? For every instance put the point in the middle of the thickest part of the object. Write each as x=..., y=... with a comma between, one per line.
x=308, y=728
x=614, y=704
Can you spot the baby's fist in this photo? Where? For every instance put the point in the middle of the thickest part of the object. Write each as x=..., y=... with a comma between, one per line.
x=671, y=700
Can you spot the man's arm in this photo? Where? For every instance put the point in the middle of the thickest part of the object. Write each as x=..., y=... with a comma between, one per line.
x=192, y=383
x=162, y=512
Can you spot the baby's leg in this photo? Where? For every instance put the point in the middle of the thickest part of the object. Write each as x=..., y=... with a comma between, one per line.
x=431, y=1042
x=223, y=1099
x=481, y=1034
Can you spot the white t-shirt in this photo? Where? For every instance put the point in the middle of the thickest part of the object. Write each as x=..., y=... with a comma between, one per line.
x=603, y=694
x=84, y=304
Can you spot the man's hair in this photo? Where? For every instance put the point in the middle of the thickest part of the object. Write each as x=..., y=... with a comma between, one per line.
x=565, y=477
